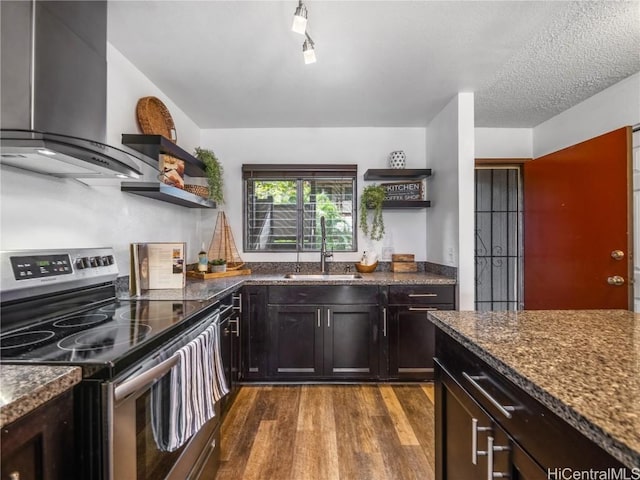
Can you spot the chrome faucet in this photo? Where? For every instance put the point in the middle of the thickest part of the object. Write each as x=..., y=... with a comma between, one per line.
x=323, y=248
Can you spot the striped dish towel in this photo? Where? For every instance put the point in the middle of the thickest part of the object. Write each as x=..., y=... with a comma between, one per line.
x=184, y=399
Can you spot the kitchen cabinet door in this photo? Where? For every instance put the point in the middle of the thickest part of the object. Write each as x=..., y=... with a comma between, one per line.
x=461, y=427
x=411, y=344
x=40, y=444
x=254, y=332
x=351, y=341
x=296, y=343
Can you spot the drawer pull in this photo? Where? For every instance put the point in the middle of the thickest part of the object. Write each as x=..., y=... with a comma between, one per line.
x=413, y=295
x=318, y=318
x=237, y=298
x=504, y=409
x=422, y=309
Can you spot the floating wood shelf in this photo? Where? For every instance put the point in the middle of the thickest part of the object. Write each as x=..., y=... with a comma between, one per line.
x=152, y=146
x=166, y=193
x=397, y=173
x=401, y=204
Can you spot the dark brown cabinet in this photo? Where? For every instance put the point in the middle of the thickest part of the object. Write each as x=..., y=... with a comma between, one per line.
x=323, y=332
x=487, y=427
x=253, y=325
x=411, y=335
x=40, y=445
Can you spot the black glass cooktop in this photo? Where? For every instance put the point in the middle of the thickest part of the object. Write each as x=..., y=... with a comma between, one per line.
x=96, y=339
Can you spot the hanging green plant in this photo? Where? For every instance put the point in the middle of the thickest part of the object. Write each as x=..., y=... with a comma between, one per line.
x=371, y=201
x=214, y=171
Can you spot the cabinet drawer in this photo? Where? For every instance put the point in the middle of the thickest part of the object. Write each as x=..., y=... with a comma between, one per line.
x=324, y=295
x=421, y=294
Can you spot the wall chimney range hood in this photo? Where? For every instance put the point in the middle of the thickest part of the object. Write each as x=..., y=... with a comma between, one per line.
x=54, y=79
x=64, y=156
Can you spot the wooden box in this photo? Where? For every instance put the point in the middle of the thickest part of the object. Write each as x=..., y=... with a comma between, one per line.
x=404, y=267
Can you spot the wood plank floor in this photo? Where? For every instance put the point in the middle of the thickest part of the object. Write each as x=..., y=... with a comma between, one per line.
x=327, y=432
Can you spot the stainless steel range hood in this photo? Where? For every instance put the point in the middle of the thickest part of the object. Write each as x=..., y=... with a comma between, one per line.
x=64, y=156
x=54, y=79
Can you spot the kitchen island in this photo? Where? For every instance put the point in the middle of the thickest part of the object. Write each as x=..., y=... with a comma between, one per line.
x=584, y=366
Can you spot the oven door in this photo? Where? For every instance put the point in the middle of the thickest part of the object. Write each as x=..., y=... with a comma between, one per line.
x=132, y=450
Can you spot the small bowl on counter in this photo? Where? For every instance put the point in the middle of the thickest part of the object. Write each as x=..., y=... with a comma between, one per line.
x=366, y=268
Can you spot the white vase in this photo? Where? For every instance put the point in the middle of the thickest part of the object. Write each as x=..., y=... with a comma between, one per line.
x=397, y=159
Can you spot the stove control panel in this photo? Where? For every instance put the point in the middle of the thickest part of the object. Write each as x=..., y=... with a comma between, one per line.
x=38, y=266
x=28, y=273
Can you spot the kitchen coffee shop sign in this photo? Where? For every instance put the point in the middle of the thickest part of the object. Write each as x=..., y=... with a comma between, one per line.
x=404, y=190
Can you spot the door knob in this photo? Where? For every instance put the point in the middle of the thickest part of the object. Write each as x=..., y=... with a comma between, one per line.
x=617, y=254
x=615, y=280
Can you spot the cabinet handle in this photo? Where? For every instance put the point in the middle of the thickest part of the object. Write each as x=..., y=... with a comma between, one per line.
x=384, y=321
x=422, y=309
x=423, y=294
x=239, y=299
x=237, y=324
x=318, y=311
x=504, y=409
x=474, y=440
x=328, y=318
x=490, y=449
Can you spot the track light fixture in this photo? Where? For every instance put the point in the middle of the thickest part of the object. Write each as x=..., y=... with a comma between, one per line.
x=300, y=26
x=300, y=19
x=308, y=50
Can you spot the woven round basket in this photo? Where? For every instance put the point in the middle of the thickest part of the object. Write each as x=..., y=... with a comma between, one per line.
x=199, y=190
x=154, y=118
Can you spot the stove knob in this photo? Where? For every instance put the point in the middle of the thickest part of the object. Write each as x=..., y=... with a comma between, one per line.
x=109, y=260
x=80, y=264
x=100, y=261
x=94, y=261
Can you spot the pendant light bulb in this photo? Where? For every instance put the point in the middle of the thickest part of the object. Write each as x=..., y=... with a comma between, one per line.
x=308, y=51
x=300, y=19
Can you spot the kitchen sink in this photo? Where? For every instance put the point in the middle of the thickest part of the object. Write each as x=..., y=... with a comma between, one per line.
x=319, y=276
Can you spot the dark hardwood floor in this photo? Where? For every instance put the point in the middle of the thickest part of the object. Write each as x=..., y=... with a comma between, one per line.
x=323, y=432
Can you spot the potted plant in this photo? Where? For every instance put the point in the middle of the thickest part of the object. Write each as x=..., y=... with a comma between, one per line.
x=214, y=171
x=371, y=201
x=218, y=265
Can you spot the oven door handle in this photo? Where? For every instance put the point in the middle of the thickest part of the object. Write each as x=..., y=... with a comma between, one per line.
x=138, y=382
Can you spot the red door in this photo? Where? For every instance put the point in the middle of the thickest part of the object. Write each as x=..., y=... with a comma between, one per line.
x=577, y=211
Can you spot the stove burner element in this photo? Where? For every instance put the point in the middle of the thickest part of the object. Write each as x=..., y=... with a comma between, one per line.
x=24, y=339
x=81, y=320
x=101, y=338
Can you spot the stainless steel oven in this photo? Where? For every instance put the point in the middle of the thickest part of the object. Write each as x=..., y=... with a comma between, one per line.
x=59, y=307
x=130, y=416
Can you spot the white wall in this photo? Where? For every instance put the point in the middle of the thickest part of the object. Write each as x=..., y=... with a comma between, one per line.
x=450, y=229
x=43, y=212
x=615, y=107
x=366, y=147
x=504, y=142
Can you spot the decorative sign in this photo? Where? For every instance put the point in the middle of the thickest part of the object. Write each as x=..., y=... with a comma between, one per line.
x=404, y=190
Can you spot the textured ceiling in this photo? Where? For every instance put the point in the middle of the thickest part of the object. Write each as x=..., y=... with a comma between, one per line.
x=231, y=64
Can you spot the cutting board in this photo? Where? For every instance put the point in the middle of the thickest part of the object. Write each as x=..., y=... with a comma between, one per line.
x=228, y=273
x=403, y=257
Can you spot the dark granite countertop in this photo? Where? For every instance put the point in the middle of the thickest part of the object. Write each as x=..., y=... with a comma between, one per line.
x=583, y=365
x=24, y=388
x=217, y=288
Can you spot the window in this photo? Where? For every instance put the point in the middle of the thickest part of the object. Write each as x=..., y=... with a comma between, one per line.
x=284, y=204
